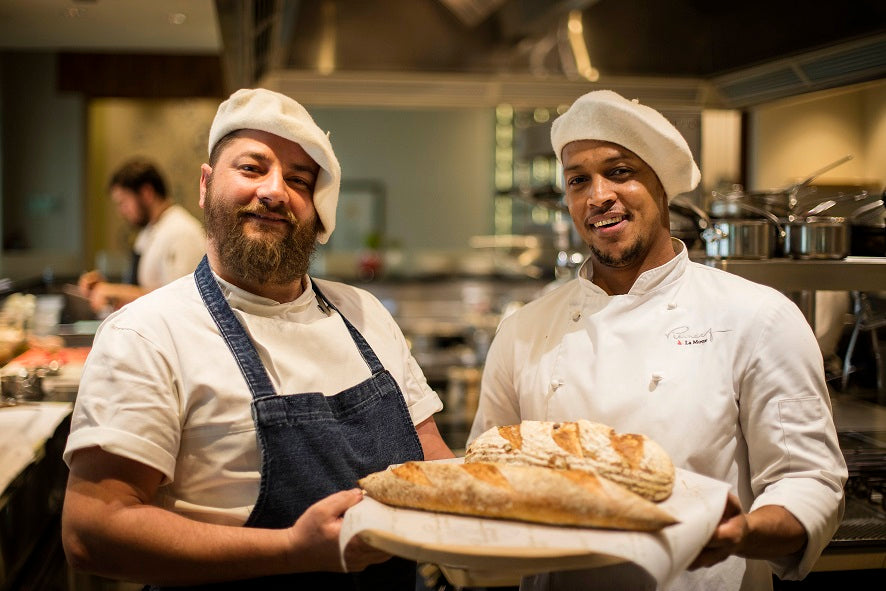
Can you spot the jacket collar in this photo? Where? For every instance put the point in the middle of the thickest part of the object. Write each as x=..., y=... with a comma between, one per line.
x=648, y=280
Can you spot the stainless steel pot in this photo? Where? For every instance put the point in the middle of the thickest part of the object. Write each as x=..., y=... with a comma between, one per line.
x=823, y=237
x=741, y=239
x=817, y=237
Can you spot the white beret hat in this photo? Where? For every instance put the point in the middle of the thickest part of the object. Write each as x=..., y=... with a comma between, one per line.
x=607, y=116
x=265, y=110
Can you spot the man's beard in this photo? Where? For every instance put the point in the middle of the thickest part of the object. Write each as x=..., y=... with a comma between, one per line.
x=268, y=258
x=632, y=254
x=143, y=218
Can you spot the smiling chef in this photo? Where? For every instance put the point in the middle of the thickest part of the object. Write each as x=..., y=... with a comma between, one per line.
x=224, y=419
x=724, y=373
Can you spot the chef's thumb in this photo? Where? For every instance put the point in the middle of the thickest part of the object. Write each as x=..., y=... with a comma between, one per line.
x=337, y=503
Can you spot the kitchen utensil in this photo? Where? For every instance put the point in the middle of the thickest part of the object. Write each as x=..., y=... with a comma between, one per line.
x=794, y=189
x=745, y=238
x=740, y=239
x=822, y=206
x=779, y=202
x=823, y=237
x=687, y=221
x=729, y=205
x=817, y=237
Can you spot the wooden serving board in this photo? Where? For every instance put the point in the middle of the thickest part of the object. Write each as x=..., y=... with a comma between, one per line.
x=483, y=566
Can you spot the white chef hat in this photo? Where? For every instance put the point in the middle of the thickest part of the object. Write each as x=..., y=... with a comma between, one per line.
x=265, y=110
x=607, y=116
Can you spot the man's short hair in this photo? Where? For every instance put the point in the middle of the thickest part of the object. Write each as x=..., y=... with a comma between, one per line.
x=137, y=172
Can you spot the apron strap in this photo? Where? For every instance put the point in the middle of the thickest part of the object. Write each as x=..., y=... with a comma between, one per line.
x=232, y=331
x=369, y=356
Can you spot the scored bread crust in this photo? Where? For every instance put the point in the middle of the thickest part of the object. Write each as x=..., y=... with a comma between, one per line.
x=631, y=460
x=526, y=493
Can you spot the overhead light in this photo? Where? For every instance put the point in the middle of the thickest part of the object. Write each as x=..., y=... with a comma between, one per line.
x=177, y=18
x=575, y=34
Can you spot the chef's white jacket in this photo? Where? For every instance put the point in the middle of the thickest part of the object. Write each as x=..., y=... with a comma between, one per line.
x=169, y=248
x=724, y=373
x=161, y=387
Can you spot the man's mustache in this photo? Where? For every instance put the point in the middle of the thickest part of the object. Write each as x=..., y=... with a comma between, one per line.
x=262, y=209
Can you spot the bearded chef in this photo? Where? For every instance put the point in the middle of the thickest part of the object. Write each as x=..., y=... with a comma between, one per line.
x=723, y=372
x=223, y=420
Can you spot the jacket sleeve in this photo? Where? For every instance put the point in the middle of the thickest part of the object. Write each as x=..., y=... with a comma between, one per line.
x=793, y=453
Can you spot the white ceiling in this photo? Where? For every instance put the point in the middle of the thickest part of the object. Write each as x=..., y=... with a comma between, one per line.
x=151, y=26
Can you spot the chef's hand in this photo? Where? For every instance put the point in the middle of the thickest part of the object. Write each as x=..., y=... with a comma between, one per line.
x=107, y=297
x=727, y=538
x=766, y=533
x=316, y=536
x=103, y=298
x=88, y=281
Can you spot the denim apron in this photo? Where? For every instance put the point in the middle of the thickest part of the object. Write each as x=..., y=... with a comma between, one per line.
x=314, y=445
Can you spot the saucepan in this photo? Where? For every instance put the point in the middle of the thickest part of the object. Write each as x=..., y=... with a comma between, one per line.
x=745, y=238
x=823, y=237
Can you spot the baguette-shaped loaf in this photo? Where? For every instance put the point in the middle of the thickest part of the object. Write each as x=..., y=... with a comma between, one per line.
x=526, y=493
x=633, y=461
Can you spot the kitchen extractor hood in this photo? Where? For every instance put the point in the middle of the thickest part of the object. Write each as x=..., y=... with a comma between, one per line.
x=479, y=52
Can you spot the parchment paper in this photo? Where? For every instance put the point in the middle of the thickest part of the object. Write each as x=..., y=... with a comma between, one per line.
x=477, y=551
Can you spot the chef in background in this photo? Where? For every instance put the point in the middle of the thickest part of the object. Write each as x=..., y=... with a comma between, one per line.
x=169, y=244
x=724, y=373
x=223, y=420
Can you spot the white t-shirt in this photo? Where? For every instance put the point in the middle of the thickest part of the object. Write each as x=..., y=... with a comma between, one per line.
x=169, y=248
x=161, y=387
x=724, y=373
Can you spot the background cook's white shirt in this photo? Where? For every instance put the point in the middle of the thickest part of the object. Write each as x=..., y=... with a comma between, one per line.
x=160, y=386
x=724, y=373
x=169, y=248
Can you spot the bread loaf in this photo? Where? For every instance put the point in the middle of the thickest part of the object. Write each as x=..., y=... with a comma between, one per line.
x=633, y=461
x=526, y=493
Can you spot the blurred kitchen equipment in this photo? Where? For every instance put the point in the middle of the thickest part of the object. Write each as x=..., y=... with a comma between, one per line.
x=516, y=253
x=740, y=239
x=817, y=237
x=821, y=206
x=794, y=189
x=868, y=236
x=730, y=205
x=47, y=313
x=24, y=384
x=745, y=238
x=823, y=237
x=569, y=259
x=780, y=202
x=687, y=221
